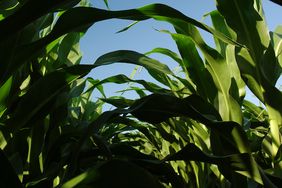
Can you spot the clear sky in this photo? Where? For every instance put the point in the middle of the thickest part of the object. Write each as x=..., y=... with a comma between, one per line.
x=102, y=38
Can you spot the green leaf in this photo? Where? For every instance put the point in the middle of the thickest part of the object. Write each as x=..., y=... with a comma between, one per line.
x=42, y=93
x=145, y=129
x=257, y=63
x=35, y=149
x=237, y=89
x=126, y=56
x=114, y=173
x=276, y=39
x=119, y=102
x=219, y=70
x=106, y=3
x=7, y=8
x=148, y=162
x=127, y=27
x=168, y=14
x=240, y=163
x=4, y=94
x=46, y=89
x=228, y=52
x=166, y=52
x=85, y=17
x=157, y=108
x=16, y=22
x=249, y=24
x=93, y=127
x=194, y=67
x=258, y=112
x=156, y=69
x=219, y=24
x=69, y=51
x=122, y=79
x=163, y=107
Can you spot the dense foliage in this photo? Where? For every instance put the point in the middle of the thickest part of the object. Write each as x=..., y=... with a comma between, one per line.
x=194, y=129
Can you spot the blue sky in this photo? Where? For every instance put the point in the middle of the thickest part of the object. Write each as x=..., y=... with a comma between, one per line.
x=102, y=38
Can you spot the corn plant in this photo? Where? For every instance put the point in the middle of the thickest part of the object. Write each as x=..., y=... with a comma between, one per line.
x=41, y=103
x=198, y=131
x=238, y=60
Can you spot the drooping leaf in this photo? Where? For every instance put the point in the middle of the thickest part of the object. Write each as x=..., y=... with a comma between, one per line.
x=14, y=23
x=85, y=17
x=166, y=52
x=240, y=163
x=40, y=94
x=163, y=107
x=121, y=79
x=126, y=56
x=157, y=108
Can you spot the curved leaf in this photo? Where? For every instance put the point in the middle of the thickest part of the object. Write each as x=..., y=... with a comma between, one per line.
x=241, y=163
x=126, y=56
x=114, y=173
x=85, y=17
x=166, y=52
x=157, y=108
x=22, y=17
x=121, y=79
